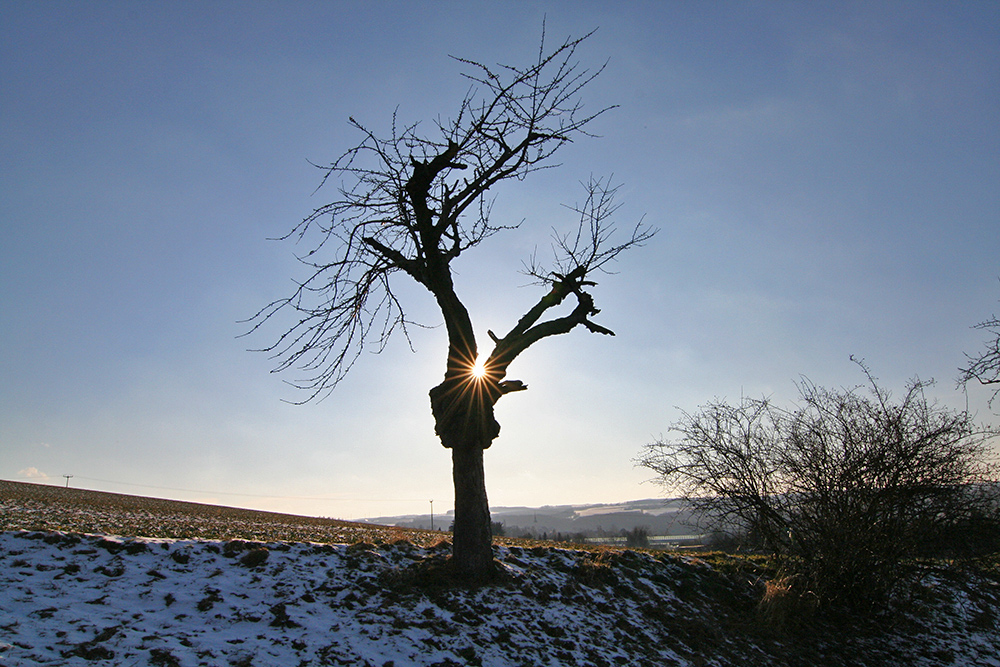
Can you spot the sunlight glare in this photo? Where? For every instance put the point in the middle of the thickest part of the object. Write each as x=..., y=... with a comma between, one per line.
x=478, y=369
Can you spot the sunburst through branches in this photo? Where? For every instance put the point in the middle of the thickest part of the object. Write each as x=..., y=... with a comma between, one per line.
x=479, y=369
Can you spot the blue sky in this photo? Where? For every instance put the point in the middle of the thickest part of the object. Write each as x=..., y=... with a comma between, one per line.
x=826, y=178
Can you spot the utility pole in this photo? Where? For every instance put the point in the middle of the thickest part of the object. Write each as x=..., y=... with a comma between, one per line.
x=67, y=480
x=432, y=515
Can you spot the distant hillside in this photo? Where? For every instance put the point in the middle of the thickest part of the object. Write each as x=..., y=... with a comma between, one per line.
x=46, y=506
x=660, y=516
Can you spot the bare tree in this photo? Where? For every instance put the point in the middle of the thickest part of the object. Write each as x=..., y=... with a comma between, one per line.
x=843, y=486
x=412, y=203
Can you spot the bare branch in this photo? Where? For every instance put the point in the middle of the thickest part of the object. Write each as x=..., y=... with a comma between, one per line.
x=985, y=367
x=576, y=257
x=589, y=247
x=413, y=202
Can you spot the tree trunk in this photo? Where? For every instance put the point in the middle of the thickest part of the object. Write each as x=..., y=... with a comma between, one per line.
x=462, y=406
x=463, y=416
x=472, y=551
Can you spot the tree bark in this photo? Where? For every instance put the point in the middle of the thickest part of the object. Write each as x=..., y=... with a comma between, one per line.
x=472, y=550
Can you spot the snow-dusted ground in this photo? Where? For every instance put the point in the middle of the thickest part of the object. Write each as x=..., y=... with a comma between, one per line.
x=73, y=594
x=69, y=599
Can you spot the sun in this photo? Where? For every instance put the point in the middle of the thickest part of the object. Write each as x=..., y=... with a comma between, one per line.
x=478, y=369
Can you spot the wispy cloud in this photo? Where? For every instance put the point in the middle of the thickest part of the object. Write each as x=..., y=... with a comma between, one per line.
x=32, y=473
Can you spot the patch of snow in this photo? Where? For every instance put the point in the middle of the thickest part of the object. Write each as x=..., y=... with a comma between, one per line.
x=86, y=599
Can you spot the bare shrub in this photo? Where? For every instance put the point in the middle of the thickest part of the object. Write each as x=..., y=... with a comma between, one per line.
x=842, y=487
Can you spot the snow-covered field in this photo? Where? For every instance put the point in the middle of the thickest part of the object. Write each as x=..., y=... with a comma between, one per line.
x=71, y=599
x=68, y=598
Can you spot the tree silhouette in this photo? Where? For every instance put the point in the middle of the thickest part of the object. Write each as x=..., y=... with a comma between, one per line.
x=410, y=202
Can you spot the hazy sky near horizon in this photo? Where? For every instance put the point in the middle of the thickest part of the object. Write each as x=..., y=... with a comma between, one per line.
x=825, y=176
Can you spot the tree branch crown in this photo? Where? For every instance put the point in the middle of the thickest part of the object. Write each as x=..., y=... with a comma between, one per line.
x=413, y=202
